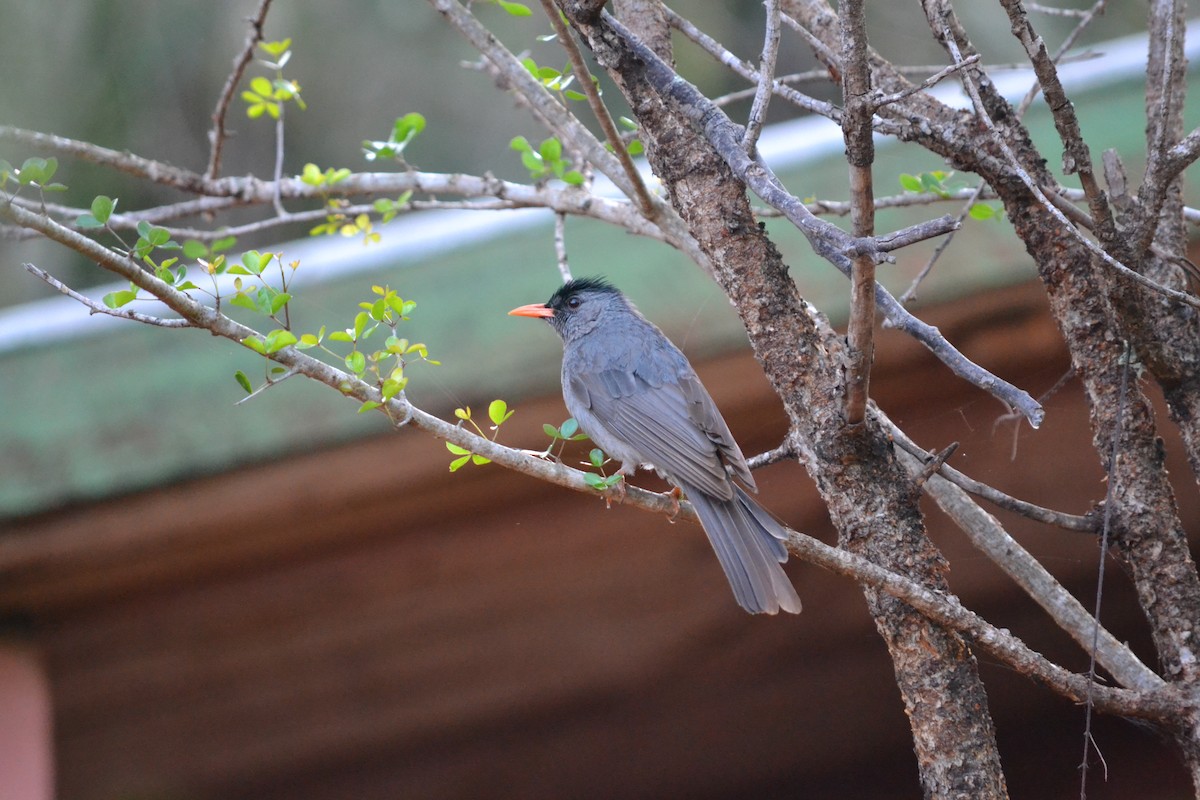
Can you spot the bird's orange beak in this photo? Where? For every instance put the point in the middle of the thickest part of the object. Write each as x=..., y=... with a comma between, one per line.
x=533, y=310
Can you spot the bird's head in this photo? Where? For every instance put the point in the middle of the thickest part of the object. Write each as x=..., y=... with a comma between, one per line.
x=576, y=307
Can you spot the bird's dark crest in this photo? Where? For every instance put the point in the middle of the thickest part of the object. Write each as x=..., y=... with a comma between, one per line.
x=580, y=285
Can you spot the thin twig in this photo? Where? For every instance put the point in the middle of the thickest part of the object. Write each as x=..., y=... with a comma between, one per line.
x=990, y=538
x=599, y=110
x=766, y=78
x=910, y=293
x=783, y=452
x=291, y=373
x=1059, y=519
x=860, y=156
x=745, y=70
x=97, y=308
x=1105, y=530
x=560, y=246
x=216, y=136
x=928, y=83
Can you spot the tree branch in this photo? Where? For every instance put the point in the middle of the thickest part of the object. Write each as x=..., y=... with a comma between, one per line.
x=217, y=135
x=766, y=78
x=860, y=154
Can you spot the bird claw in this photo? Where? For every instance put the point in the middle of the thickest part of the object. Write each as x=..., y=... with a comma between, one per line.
x=674, y=496
x=616, y=492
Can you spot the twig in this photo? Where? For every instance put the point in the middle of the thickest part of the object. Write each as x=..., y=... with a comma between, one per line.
x=988, y=536
x=564, y=123
x=1105, y=530
x=599, y=110
x=1152, y=702
x=929, y=82
x=745, y=70
x=216, y=136
x=910, y=293
x=766, y=78
x=97, y=308
x=1059, y=519
x=277, y=198
x=291, y=373
x=783, y=452
x=860, y=155
x=1077, y=157
x=560, y=246
x=934, y=465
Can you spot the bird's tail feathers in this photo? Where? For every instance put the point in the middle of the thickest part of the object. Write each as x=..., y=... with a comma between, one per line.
x=748, y=543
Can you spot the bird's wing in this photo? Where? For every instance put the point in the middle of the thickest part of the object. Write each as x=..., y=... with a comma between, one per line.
x=672, y=424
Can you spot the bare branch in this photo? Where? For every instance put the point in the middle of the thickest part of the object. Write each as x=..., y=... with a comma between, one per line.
x=560, y=246
x=860, y=154
x=216, y=136
x=827, y=240
x=1035, y=190
x=745, y=70
x=1076, y=156
x=929, y=82
x=1156, y=703
x=98, y=308
x=599, y=110
x=989, y=536
x=766, y=78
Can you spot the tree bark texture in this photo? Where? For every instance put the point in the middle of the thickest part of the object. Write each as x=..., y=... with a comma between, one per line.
x=872, y=501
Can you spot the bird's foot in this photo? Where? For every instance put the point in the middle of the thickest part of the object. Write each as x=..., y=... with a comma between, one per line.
x=615, y=493
x=674, y=496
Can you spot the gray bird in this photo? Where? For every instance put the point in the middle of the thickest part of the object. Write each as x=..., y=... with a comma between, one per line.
x=635, y=394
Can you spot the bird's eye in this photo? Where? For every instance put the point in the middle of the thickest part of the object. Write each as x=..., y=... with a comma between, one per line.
x=574, y=302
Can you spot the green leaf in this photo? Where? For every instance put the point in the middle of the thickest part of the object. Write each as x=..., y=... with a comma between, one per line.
x=243, y=300
x=551, y=150
x=479, y=460
x=573, y=178
x=596, y=457
x=341, y=336
x=356, y=362
x=551, y=431
x=595, y=481
x=102, y=208
x=306, y=341
x=983, y=211
x=118, y=299
x=243, y=381
x=279, y=301
x=393, y=387
x=568, y=428
x=88, y=221
x=255, y=344
x=910, y=183
x=369, y=405
x=456, y=450
x=458, y=462
x=278, y=339
x=193, y=249
x=498, y=412
x=224, y=243
x=261, y=86
x=514, y=9
x=276, y=48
